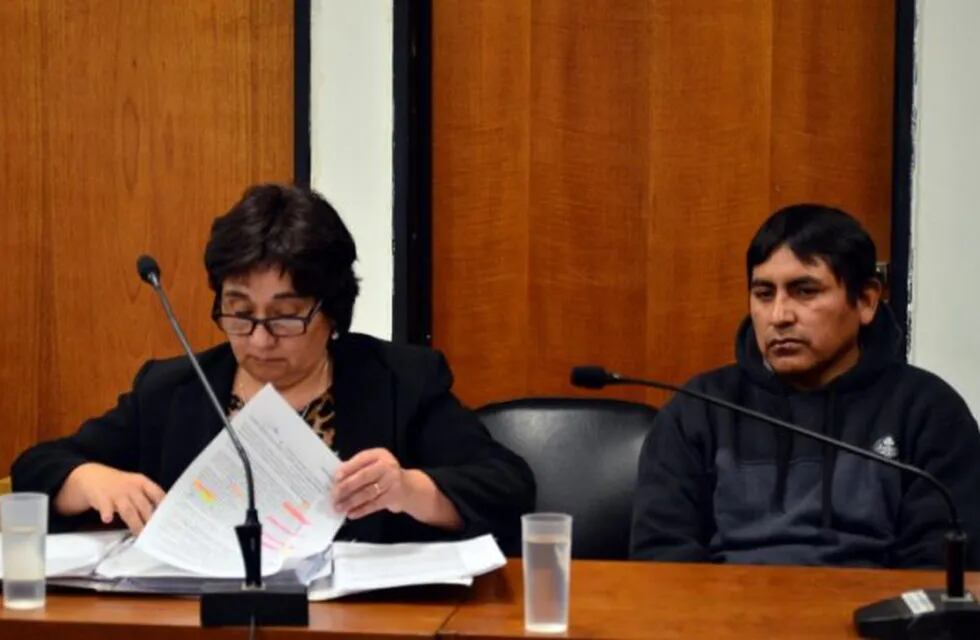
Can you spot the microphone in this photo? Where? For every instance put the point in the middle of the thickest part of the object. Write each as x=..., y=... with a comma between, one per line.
x=253, y=603
x=592, y=377
x=149, y=271
x=917, y=614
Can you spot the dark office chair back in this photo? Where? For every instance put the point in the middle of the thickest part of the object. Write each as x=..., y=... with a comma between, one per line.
x=584, y=454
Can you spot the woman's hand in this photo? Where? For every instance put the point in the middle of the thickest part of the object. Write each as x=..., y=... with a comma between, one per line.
x=373, y=480
x=109, y=491
x=370, y=481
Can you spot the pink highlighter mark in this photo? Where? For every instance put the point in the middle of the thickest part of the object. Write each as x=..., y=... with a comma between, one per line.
x=281, y=526
x=296, y=513
x=268, y=540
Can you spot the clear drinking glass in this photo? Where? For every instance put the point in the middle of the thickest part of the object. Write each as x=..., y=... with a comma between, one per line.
x=547, y=550
x=24, y=524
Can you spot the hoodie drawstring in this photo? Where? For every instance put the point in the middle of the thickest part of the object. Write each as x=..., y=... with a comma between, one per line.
x=784, y=451
x=830, y=428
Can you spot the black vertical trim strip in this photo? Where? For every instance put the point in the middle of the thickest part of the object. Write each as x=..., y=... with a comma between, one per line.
x=412, y=298
x=301, y=92
x=902, y=159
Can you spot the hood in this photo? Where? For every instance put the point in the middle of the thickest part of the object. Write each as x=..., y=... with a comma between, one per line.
x=880, y=342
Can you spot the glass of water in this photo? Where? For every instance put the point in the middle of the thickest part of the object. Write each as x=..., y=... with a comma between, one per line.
x=24, y=523
x=547, y=549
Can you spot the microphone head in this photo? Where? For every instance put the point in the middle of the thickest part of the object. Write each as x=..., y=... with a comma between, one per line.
x=590, y=377
x=148, y=269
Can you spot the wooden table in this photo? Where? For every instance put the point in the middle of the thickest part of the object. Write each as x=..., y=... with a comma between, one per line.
x=419, y=614
x=609, y=600
x=666, y=601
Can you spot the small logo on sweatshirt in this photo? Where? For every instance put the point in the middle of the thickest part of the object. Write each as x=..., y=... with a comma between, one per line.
x=886, y=447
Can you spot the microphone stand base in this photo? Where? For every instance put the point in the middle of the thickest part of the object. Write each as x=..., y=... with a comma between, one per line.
x=223, y=605
x=919, y=615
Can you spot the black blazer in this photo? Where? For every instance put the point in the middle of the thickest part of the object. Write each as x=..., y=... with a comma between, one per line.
x=385, y=395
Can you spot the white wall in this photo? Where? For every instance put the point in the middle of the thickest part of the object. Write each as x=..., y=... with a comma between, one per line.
x=351, y=127
x=945, y=304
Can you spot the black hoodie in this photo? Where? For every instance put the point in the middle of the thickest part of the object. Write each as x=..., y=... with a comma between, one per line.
x=714, y=486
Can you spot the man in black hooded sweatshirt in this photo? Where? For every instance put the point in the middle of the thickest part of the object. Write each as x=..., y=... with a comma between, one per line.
x=820, y=350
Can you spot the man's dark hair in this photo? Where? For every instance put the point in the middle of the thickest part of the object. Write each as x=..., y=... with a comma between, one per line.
x=292, y=228
x=814, y=231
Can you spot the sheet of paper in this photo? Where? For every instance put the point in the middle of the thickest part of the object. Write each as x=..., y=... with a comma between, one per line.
x=324, y=589
x=76, y=554
x=128, y=561
x=193, y=528
x=362, y=566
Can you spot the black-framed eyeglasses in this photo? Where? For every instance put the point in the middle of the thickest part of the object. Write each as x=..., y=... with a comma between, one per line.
x=278, y=326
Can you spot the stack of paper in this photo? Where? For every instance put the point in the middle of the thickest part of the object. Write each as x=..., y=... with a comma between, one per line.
x=359, y=566
x=108, y=561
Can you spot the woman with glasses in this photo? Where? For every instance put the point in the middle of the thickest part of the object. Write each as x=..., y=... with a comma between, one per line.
x=417, y=465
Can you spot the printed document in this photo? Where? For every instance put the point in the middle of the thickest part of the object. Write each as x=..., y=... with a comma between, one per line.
x=193, y=529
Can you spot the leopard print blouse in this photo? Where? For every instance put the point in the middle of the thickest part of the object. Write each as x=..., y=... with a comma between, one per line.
x=319, y=414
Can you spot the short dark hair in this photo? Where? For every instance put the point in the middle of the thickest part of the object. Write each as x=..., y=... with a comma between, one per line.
x=817, y=231
x=293, y=228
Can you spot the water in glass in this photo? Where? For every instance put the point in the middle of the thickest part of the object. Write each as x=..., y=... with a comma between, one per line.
x=23, y=567
x=546, y=564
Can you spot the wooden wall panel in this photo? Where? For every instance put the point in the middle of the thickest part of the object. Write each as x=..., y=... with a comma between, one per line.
x=480, y=169
x=832, y=108
x=151, y=118
x=21, y=199
x=588, y=199
x=657, y=135
x=709, y=176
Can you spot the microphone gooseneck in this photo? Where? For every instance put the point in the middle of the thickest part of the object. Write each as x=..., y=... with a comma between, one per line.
x=954, y=611
x=149, y=271
x=596, y=377
x=252, y=602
